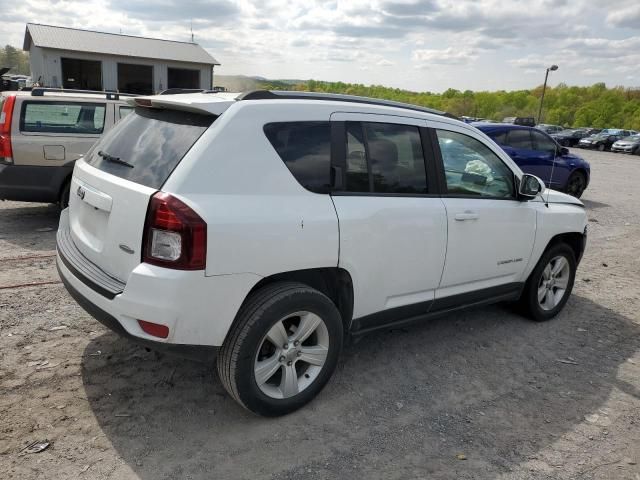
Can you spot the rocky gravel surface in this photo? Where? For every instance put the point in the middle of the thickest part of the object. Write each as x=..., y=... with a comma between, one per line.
x=483, y=394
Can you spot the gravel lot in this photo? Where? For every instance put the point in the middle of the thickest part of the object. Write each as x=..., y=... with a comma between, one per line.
x=481, y=394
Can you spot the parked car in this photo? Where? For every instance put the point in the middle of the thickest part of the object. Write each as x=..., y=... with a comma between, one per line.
x=537, y=153
x=571, y=137
x=525, y=121
x=546, y=128
x=629, y=144
x=265, y=227
x=603, y=140
x=43, y=132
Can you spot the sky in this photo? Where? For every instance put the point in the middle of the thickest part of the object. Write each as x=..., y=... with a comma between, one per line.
x=421, y=45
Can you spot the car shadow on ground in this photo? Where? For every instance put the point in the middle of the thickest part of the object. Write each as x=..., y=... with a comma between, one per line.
x=593, y=205
x=30, y=226
x=402, y=403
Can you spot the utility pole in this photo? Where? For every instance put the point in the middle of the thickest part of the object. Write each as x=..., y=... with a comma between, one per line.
x=552, y=68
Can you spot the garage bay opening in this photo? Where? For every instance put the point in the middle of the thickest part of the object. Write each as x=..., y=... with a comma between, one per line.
x=183, y=78
x=81, y=74
x=135, y=78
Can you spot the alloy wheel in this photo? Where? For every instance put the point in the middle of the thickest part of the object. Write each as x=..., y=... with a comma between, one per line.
x=291, y=355
x=553, y=283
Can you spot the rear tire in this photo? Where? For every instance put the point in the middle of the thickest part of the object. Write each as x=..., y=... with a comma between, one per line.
x=601, y=147
x=255, y=367
x=550, y=284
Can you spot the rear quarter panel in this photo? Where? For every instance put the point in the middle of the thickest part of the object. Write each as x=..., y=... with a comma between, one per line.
x=259, y=218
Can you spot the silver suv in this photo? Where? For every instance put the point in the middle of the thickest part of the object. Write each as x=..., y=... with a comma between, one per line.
x=43, y=132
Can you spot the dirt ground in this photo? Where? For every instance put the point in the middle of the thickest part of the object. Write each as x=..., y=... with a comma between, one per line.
x=481, y=394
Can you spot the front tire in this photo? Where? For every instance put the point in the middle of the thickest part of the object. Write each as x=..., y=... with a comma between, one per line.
x=282, y=348
x=601, y=147
x=576, y=184
x=550, y=284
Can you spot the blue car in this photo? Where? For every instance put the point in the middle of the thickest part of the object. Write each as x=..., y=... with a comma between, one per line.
x=535, y=152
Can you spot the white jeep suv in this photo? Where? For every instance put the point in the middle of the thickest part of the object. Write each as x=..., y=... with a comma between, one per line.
x=267, y=227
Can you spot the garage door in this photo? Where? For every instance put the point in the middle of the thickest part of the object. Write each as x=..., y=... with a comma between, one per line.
x=135, y=78
x=81, y=74
x=183, y=78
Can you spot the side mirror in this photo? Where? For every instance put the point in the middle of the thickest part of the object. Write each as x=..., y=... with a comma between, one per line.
x=564, y=151
x=530, y=187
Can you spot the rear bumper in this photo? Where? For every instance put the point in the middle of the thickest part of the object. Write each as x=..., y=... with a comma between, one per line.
x=200, y=353
x=27, y=183
x=198, y=310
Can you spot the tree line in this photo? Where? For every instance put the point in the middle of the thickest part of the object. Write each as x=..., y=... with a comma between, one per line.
x=15, y=58
x=595, y=106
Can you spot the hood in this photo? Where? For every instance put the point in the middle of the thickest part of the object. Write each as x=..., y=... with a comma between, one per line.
x=559, y=197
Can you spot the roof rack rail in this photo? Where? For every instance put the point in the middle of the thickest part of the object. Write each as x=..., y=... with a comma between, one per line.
x=177, y=91
x=40, y=91
x=294, y=95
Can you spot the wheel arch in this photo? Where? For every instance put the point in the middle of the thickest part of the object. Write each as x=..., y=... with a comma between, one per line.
x=582, y=170
x=575, y=240
x=334, y=282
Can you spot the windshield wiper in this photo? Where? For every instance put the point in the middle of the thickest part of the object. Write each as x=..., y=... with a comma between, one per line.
x=112, y=159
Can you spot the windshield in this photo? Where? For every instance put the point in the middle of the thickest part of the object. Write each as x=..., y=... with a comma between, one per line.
x=634, y=138
x=148, y=144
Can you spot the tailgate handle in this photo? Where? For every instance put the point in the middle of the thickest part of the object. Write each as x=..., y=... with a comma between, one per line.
x=95, y=198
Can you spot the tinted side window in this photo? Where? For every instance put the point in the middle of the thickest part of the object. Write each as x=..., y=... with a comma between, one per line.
x=384, y=158
x=471, y=168
x=500, y=137
x=305, y=148
x=59, y=117
x=357, y=166
x=395, y=156
x=520, y=139
x=543, y=143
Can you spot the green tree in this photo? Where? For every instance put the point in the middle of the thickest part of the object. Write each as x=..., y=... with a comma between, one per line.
x=18, y=60
x=596, y=106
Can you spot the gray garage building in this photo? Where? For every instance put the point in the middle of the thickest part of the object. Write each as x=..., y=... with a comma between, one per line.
x=82, y=59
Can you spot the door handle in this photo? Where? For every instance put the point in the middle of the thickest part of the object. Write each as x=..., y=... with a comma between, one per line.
x=461, y=217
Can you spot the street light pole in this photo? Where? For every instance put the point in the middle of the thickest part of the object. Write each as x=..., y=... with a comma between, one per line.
x=552, y=68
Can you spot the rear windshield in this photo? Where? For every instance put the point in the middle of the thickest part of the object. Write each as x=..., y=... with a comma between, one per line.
x=148, y=144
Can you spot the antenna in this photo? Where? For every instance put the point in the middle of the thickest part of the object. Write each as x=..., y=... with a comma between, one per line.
x=553, y=167
x=192, y=39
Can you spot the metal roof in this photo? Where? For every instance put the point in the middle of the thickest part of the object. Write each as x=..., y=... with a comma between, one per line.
x=63, y=38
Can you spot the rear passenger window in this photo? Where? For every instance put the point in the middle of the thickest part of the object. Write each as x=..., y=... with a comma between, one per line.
x=520, y=139
x=59, y=117
x=384, y=158
x=305, y=148
x=499, y=137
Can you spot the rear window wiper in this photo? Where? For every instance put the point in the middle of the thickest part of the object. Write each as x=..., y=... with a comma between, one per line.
x=112, y=159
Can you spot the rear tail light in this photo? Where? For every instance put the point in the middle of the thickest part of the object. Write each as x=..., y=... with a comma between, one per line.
x=174, y=235
x=6, y=153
